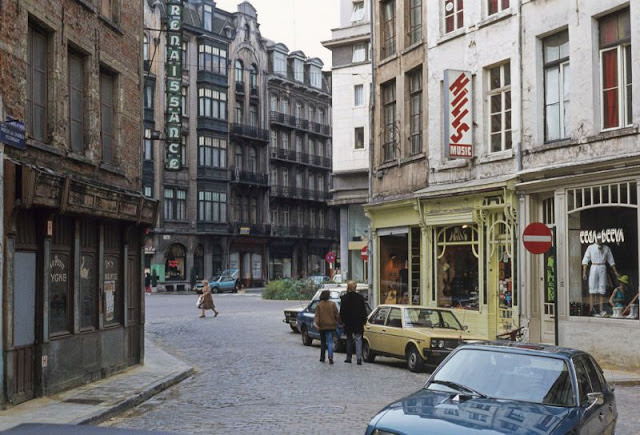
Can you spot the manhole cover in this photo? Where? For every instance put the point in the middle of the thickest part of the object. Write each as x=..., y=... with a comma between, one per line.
x=82, y=401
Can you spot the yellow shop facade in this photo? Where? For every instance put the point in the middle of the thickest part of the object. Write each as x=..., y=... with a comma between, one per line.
x=451, y=246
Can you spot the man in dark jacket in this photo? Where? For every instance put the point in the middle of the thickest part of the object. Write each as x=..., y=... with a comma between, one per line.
x=353, y=314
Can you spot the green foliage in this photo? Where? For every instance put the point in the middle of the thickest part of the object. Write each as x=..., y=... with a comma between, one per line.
x=289, y=289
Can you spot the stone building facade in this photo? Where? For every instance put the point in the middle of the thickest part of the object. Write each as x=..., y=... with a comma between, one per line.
x=74, y=217
x=218, y=205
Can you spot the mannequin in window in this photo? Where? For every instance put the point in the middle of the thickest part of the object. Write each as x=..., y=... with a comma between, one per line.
x=596, y=258
x=618, y=297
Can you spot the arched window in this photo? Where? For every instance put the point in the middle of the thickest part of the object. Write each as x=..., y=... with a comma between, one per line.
x=198, y=264
x=174, y=263
x=239, y=71
x=145, y=48
x=253, y=77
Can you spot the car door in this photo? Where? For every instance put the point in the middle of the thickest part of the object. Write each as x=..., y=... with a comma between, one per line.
x=375, y=327
x=393, y=340
x=596, y=418
x=308, y=315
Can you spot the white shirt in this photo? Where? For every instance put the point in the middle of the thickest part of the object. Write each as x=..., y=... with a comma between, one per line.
x=598, y=255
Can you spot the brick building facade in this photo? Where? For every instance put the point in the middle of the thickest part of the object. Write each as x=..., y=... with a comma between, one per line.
x=74, y=217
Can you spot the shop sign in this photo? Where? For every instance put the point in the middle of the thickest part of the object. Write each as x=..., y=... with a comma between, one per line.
x=245, y=231
x=12, y=133
x=609, y=235
x=458, y=127
x=173, y=120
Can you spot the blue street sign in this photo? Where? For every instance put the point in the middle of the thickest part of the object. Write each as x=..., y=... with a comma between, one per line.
x=12, y=133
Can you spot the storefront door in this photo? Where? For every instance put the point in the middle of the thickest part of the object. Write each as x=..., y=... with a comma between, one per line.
x=24, y=308
x=547, y=296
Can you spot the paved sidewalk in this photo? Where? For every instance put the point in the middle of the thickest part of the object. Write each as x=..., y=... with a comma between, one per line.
x=95, y=402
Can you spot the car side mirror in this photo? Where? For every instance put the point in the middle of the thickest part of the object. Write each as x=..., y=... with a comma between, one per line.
x=595, y=399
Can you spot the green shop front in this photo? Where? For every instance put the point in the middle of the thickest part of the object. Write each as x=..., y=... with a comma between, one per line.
x=452, y=248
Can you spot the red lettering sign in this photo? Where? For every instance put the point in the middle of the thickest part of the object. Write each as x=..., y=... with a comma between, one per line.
x=459, y=132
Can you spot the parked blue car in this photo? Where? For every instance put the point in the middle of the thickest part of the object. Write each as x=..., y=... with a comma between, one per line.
x=506, y=387
x=304, y=321
x=227, y=281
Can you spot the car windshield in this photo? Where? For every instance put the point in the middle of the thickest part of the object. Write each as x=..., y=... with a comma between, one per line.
x=428, y=318
x=510, y=376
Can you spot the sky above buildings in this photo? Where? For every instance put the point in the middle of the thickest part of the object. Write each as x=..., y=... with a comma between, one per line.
x=299, y=24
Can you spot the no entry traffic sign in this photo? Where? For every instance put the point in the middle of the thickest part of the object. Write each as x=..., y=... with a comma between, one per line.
x=364, y=253
x=330, y=257
x=537, y=238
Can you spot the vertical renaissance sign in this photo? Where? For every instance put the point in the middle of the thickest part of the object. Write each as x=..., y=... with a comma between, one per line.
x=458, y=120
x=173, y=64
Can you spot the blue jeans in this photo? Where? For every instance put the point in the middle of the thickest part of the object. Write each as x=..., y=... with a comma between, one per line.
x=350, y=339
x=326, y=342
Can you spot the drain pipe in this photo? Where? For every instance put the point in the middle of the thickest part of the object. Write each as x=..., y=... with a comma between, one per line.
x=372, y=99
x=2, y=331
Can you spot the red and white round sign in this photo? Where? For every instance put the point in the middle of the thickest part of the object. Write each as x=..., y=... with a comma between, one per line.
x=364, y=253
x=537, y=238
x=330, y=257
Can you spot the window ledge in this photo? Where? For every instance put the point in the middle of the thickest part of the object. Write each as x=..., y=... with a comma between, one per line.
x=112, y=24
x=412, y=47
x=388, y=59
x=451, y=35
x=109, y=167
x=499, y=16
x=497, y=156
x=79, y=158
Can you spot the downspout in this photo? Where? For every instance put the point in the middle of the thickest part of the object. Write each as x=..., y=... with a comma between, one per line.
x=2, y=331
x=523, y=304
x=372, y=100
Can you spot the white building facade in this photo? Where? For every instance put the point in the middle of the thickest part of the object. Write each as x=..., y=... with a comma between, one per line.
x=580, y=173
x=351, y=76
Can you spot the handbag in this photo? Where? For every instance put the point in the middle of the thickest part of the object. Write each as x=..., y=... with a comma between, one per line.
x=200, y=301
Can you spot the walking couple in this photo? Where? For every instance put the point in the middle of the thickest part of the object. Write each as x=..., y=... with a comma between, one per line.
x=352, y=316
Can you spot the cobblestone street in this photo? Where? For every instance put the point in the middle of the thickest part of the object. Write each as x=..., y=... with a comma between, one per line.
x=253, y=375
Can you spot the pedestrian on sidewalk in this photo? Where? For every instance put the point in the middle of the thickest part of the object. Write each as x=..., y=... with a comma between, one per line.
x=207, y=300
x=326, y=320
x=353, y=315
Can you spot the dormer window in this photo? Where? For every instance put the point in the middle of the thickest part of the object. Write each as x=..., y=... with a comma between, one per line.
x=207, y=17
x=298, y=70
x=279, y=63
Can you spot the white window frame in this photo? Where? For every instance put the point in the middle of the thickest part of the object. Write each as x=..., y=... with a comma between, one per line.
x=358, y=11
x=501, y=91
x=623, y=86
x=358, y=95
x=455, y=13
x=561, y=64
x=359, y=52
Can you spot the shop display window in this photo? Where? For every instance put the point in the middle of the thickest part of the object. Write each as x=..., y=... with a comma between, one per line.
x=456, y=283
x=394, y=272
x=603, y=258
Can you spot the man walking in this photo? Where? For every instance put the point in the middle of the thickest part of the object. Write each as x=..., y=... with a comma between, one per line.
x=353, y=314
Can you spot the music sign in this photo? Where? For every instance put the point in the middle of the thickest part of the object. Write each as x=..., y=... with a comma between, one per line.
x=458, y=124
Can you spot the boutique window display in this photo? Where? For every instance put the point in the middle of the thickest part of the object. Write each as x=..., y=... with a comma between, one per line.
x=394, y=272
x=456, y=256
x=603, y=251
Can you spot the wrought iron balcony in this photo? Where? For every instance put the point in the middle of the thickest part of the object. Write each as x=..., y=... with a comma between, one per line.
x=248, y=177
x=249, y=131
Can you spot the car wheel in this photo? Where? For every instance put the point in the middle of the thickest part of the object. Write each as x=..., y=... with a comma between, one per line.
x=306, y=340
x=368, y=355
x=415, y=363
x=235, y=288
